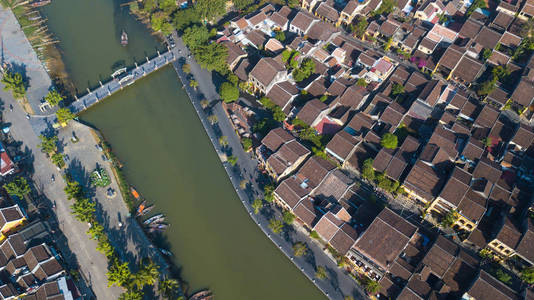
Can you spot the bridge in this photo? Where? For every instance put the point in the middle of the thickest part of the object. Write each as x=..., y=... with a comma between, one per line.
x=121, y=79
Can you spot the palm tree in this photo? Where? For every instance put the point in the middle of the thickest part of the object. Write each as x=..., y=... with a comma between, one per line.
x=257, y=205
x=73, y=189
x=193, y=83
x=131, y=295
x=48, y=144
x=320, y=273
x=147, y=275
x=95, y=231
x=64, y=115
x=213, y=119
x=18, y=187
x=223, y=141
x=57, y=159
x=299, y=249
x=276, y=225
x=83, y=210
x=119, y=274
x=53, y=98
x=167, y=287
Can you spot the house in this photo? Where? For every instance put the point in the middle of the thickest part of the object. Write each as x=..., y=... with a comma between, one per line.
x=333, y=188
x=527, y=11
x=506, y=240
x=348, y=13
x=302, y=23
x=523, y=138
x=7, y=166
x=430, y=11
x=283, y=94
x=266, y=74
x=523, y=93
x=342, y=145
x=235, y=54
x=340, y=235
x=380, y=245
x=453, y=192
x=276, y=138
x=326, y=12
x=11, y=217
x=286, y=160
x=423, y=183
x=487, y=287
x=313, y=112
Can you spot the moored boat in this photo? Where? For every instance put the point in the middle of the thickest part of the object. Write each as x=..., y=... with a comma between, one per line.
x=165, y=252
x=39, y=3
x=124, y=38
x=145, y=211
x=135, y=194
x=159, y=226
x=202, y=295
x=154, y=219
x=141, y=208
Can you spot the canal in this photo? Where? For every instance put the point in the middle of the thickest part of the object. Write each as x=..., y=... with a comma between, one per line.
x=156, y=133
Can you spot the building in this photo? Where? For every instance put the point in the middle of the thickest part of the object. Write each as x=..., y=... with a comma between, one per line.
x=266, y=74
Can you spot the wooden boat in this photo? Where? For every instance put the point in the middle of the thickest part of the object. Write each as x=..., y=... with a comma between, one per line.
x=134, y=193
x=124, y=38
x=155, y=219
x=145, y=211
x=141, y=208
x=39, y=3
x=202, y=295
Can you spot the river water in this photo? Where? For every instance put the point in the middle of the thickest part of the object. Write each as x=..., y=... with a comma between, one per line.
x=156, y=133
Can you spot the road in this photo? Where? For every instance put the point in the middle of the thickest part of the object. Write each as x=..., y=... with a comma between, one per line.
x=339, y=283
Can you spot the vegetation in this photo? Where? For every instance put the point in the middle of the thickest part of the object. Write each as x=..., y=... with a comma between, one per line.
x=232, y=160
x=100, y=177
x=243, y=184
x=307, y=67
x=223, y=141
x=397, y=89
x=83, y=210
x=320, y=273
x=193, y=83
x=367, y=170
x=299, y=249
x=290, y=57
x=168, y=287
x=204, y=103
x=389, y=141
x=281, y=36
x=276, y=225
x=58, y=160
x=476, y=4
x=450, y=218
x=390, y=186
x=503, y=276
x=53, y=98
x=488, y=141
x=209, y=10
x=359, y=26
x=211, y=56
x=486, y=53
x=64, y=115
x=228, y=92
x=72, y=189
x=159, y=23
x=278, y=114
x=14, y=82
x=186, y=68
x=119, y=274
x=257, y=205
x=268, y=191
x=527, y=275
x=18, y=187
x=247, y=144
x=213, y=119
x=309, y=134
x=371, y=286
x=314, y=235
x=288, y=217
x=361, y=82
x=48, y=144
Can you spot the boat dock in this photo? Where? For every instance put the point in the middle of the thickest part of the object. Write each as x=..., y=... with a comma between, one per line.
x=121, y=79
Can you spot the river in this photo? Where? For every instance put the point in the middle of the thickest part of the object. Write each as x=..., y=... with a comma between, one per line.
x=156, y=133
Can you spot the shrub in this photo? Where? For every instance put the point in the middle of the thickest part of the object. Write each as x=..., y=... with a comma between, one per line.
x=389, y=141
x=229, y=92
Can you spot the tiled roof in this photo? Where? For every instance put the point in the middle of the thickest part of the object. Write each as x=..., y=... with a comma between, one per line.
x=423, y=180
x=276, y=138
x=311, y=110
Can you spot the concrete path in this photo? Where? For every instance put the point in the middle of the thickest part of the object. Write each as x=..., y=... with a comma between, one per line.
x=339, y=283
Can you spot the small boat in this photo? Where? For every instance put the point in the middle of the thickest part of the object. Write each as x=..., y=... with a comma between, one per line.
x=124, y=38
x=134, y=193
x=39, y=3
x=165, y=252
x=155, y=219
x=202, y=295
x=145, y=211
x=141, y=208
x=159, y=226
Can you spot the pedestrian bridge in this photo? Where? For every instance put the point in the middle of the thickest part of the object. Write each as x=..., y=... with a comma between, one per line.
x=121, y=79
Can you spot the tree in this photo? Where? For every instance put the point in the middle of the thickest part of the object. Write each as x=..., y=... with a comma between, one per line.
x=204, y=103
x=503, y=276
x=359, y=26
x=276, y=225
x=389, y=141
x=147, y=275
x=486, y=87
x=368, y=172
x=280, y=35
x=213, y=119
x=247, y=144
x=72, y=189
x=388, y=43
x=320, y=273
x=476, y=4
x=527, y=28
x=288, y=217
x=119, y=274
x=48, y=144
x=212, y=57
x=186, y=68
x=243, y=184
x=486, y=53
x=299, y=249
x=83, y=210
x=268, y=192
x=18, y=187
x=167, y=287
x=223, y=141
x=314, y=235
x=159, y=23
x=195, y=36
x=232, y=160
x=257, y=205
x=58, y=160
x=397, y=89
x=307, y=67
x=96, y=231
x=228, y=92
x=450, y=218
x=371, y=286
x=193, y=83
x=210, y=9
x=527, y=275
x=64, y=115
x=361, y=82
x=13, y=81
x=105, y=247
x=53, y=98
x=131, y=295
x=242, y=4
x=386, y=7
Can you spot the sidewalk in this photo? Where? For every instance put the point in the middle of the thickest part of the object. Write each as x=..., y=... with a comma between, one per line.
x=339, y=283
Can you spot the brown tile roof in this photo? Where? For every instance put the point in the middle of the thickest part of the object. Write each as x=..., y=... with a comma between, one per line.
x=510, y=39
x=337, y=88
x=321, y=31
x=456, y=186
x=459, y=99
x=327, y=11
x=460, y=275
x=291, y=192
x=282, y=93
x=487, y=287
x=524, y=92
x=441, y=256
x=257, y=18
x=279, y=19
x=451, y=57
x=487, y=169
x=473, y=150
x=342, y=144
x=431, y=92
x=445, y=139
x=344, y=239
x=385, y=238
x=49, y=291
x=334, y=186
x=396, y=166
x=488, y=37
x=257, y=37
x=468, y=69
x=388, y=28
x=393, y=114
x=287, y=156
x=499, y=95
x=509, y=234
x=327, y=226
x=498, y=58
x=36, y=255
x=266, y=70
x=472, y=206
x=306, y=212
x=423, y=180
x=525, y=248
x=311, y=110
x=360, y=123
x=382, y=159
x=362, y=152
x=524, y=136
x=487, y=117
x=315, y=170
x=276, y=138
x=234, y=52
x=428, y=44
x=388, y=288
x=318, y=87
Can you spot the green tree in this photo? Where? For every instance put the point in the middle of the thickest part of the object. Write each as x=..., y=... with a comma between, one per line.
x=18, y=187
x=213, y=119
x=212, y=57
x=72, y=189
x=320, y=273
x=359, y=26
x=13, y=81
x=371, y=286
x=119, y=274
x=397, y=89
x=288, y=217
x=186, y=68
x=257, y=205
x=486, y=53
x=48, y=144
x=276, y=225
x=389, y=141
x=64, y=115
x=167, y=287
x=268, y=192
x=195, y=36
x=280, y=35
x=131, y=295
x=204, y=103
x=388, y=43
x=96, y=231
x=147, y=275
x=228, y=92
x=450, y=218
x=58, y=160
x=368, y=172
x=83, y=210
x=476, y=4
x=105, y=247
x=53, y=98
x=307, y=67
x=487, y=141
x=247, y=144
x=361, y=82
x=299, y=249
x=314, y=235
x=184, y=18
x=242, y=4
x=503, y=276
x=168, y=6
x=527, y=275
x=160, y=23
x=210, y=9
x=193, y=83
x=223, y=141
x=232, y=160
x=386, y=7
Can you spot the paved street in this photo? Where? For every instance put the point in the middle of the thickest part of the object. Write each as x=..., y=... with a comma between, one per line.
x=339, y=283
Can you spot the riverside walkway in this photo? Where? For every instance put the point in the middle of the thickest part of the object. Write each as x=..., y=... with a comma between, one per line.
x=121, y=79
